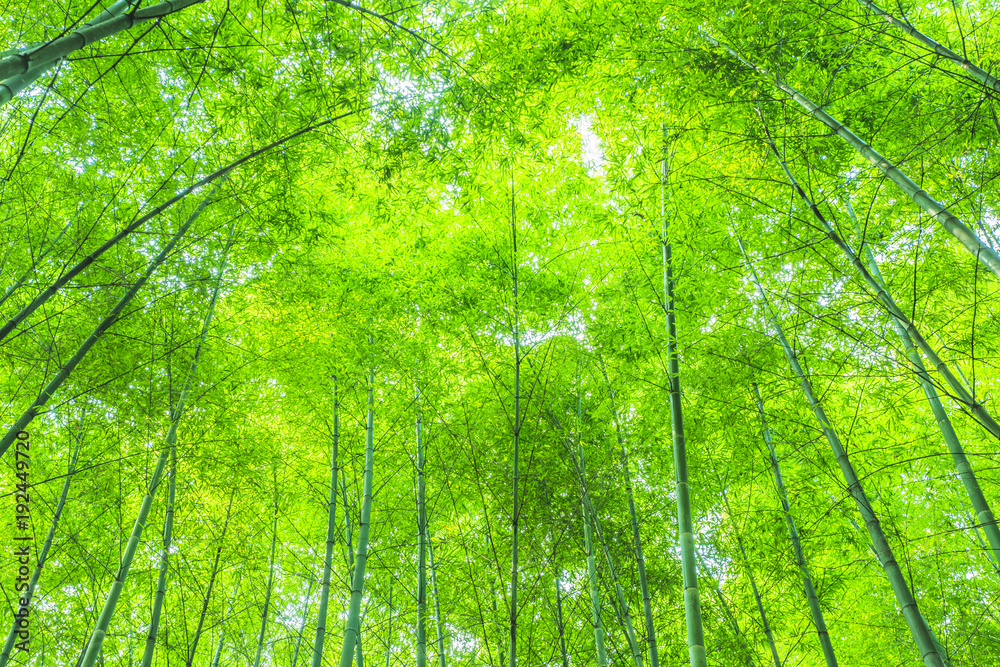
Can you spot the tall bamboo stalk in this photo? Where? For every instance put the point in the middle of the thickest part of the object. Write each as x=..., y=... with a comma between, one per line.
x=211, y=583
x=689, y=571
x=595, y=595
x=229, y=612
x=302, y=623
x=43, y=397
x=793, y=533
x=515, y=502
x=647, y=607
x=727, y=612
x=980, y=506
x=331, y=532
x=753, y=580
x=107, y=612
x=948, y=220
x=161, y=586
x=270, y=578
x=43, y=555
x=421, y=546
x=87, y=34
x=904, y=596
x=438, y=618
x=559, y=621
x=980, y=75
x=962, y=394
x=352, y=631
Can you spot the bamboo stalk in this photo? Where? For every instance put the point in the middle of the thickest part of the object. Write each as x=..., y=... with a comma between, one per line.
x=515, y=506
x=595, y=596
x=904, y=596
x=729, y=616
x=222, y=634
x=963, y=395
x=93, y=649
x=948, y=220
x=559, y=621
x=211, y=583
x=331, y=531
x=352, y=631
x=980, y=75
x=800, y=560
x=421, y=546
x=689, y=572
x=442, y=656
x=43, y=555
x=90, y=33
x=50, y=389
x=647, y=608
x=980, y=506
x=270, y=577
x=302, y=623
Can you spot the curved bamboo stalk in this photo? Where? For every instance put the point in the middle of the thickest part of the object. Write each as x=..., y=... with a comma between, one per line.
x=948, y=220
x=89, y=33
x=331, y=532
x=105, y=324
x=904, y=596
x=962, y=395
x=980, y=506
x=689, y=572
x=980, y=75
x=793, y=533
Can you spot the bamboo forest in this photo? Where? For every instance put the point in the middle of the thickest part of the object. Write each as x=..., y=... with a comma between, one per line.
x=545, y=333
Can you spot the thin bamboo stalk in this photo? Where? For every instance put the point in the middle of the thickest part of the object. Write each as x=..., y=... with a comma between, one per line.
x=43, y=555
x=689, y=571
x=352, y=631
x=948, y=220
x=559, y=621
x=793, y=533
x=515, y=503
x=93, y=649
x=270, y=577
x=35, y=262
x=753, y=580
x=904, y=596
x=438, y=619
x=595, y=595
x=331, y=532
x=647, y=599
x=64, y=372
x=421, y=546
x=980, y=75
x=984, y=515
x=222, y=633
x=963, y=395
x=302, y=623
x=211, y=584
x=728, y=613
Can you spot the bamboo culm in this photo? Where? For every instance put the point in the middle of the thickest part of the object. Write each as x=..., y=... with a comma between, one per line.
x=948, y=220
x=211, y=584
x=331, y=532
x=980, y=75
x=647, y=609
x=515, y=506
x=748, y=652
x=984, y=515
x=438, y=619
x=64, y=372
x=421, y=547
x=963, y=396
x=270, y=578
x=689, y=572
x=43, y=554
x=793, y=533
x=168, y=522
x=352, y=631
x=595, y=595
x=904, y=596
x=97, y=638
x=222, y=633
